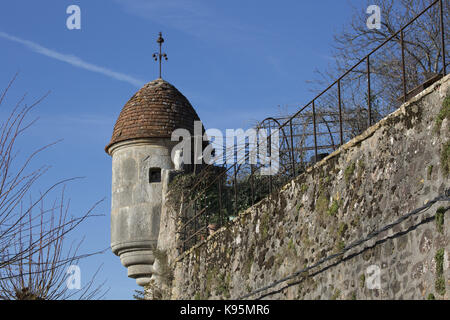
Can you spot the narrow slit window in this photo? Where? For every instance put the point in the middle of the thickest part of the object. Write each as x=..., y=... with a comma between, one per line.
x=155, y=175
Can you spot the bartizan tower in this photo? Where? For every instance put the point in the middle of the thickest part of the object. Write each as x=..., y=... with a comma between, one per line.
x=141, y=149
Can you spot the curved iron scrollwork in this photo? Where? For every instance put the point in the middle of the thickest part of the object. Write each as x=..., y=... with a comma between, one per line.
x=216, y=194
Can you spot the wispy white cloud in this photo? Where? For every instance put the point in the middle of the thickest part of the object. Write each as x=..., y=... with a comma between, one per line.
x=73, y=60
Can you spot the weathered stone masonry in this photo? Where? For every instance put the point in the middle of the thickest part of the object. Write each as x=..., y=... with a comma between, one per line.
x=393, y=168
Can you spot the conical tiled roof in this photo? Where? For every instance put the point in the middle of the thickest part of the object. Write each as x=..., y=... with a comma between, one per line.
x=155, y=111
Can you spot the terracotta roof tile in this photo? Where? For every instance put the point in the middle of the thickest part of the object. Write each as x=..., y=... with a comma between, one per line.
x=155, y=111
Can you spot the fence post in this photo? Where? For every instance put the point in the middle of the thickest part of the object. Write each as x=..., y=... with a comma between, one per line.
x=441, y=6
x=184, y=228
x=205, y=214
x=402, y=43
x=341, y=132
x=195, y=221
x=314, y=127
x=270, y=158
x=292, y=149
x=235, y=190
x=219, y=181
x=252, y=182
x=369, y=93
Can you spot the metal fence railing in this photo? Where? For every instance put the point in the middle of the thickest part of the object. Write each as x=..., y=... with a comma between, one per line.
x=352, y=103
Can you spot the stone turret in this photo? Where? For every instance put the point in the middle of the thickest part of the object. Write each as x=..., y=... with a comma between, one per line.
x=141, y=148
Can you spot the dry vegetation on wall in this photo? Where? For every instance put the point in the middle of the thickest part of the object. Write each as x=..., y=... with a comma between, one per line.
x=392, y=169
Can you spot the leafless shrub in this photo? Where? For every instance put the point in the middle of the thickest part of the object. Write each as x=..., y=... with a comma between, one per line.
x=33, y=258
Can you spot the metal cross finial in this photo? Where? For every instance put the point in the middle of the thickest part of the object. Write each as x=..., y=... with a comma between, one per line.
x=159, y=56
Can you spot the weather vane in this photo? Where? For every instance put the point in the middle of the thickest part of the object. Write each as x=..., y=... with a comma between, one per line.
x=159, y=56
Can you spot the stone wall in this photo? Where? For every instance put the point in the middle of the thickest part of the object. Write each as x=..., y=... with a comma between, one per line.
x=396, y=166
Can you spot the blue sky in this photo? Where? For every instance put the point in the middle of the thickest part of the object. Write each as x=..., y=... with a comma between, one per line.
x=236, y=61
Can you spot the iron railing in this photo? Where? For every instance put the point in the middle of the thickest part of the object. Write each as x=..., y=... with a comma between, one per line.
x=215, y=195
